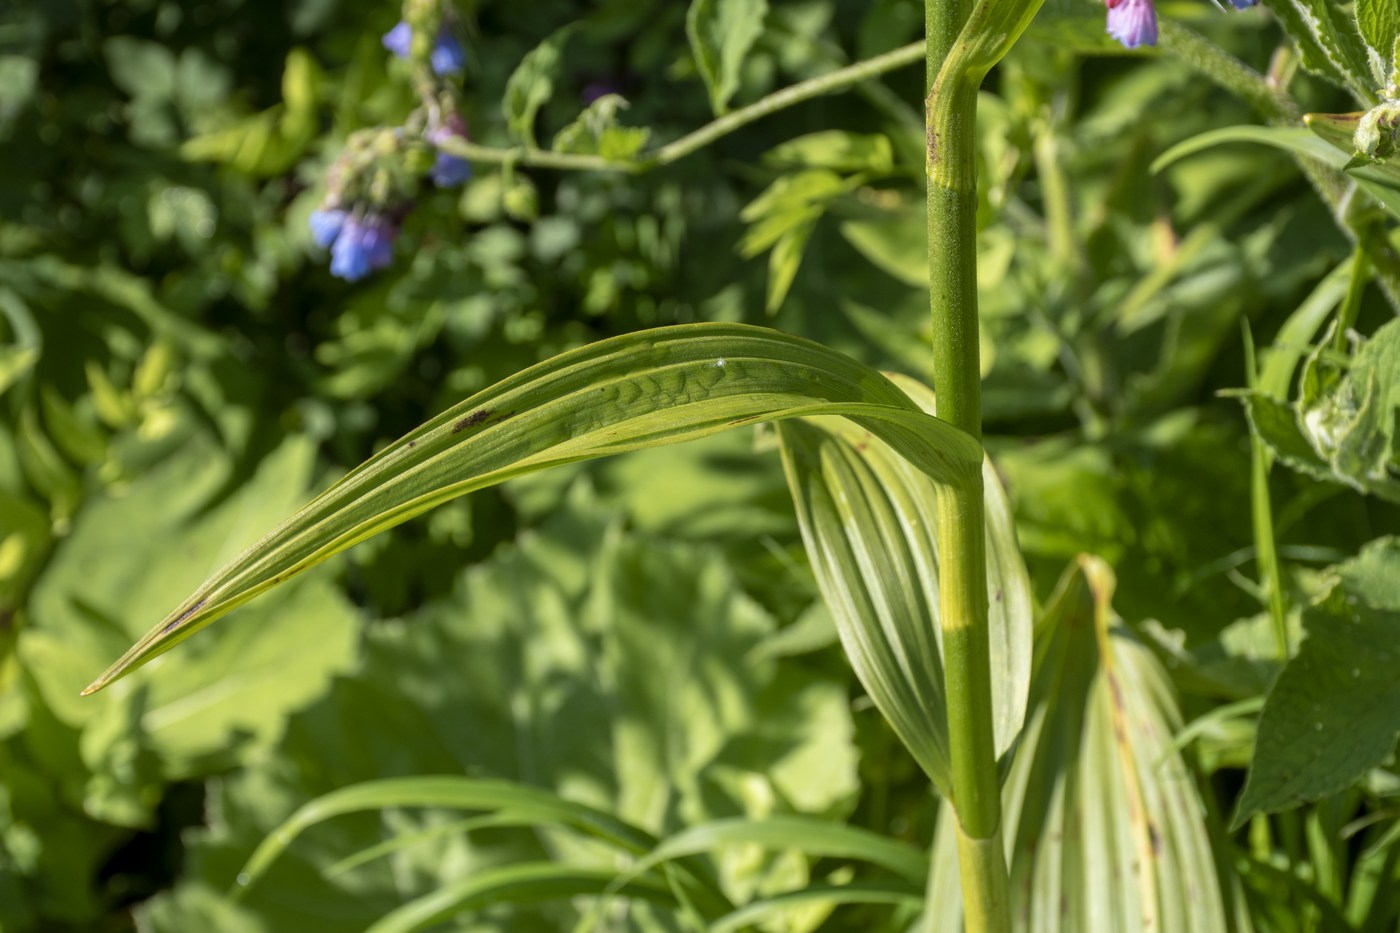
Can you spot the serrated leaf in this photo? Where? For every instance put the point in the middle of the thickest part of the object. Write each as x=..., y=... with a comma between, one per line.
x=1323, y=26
x=1334, y=712
x=1104, y=826
x=1312, y=54
x=870, y=526
x=1378, y=21
x=532, y=83
x=721, y=34
x=639, y=390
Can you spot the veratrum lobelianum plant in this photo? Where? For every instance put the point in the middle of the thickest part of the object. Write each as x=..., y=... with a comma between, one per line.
x=1084, y=795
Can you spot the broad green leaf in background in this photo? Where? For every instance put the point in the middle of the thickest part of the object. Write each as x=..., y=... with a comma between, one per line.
x=272, y=141
x=836, y=150
x=607, y=679
x=721, y=34
x=645, y=389
x=1334, y=712
x=532, y=84
x=1105, y=827
x=869, y=522
x=129, y=552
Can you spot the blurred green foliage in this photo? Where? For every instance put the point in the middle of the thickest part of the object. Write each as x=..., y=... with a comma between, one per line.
x=178, y=371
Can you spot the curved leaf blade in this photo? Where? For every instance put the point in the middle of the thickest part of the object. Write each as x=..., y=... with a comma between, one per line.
x=523, y=803
x=626, y=393
x=859, y=892
x=529, y=883
x=1376, y=180
x=815, y=838
x=870, y=522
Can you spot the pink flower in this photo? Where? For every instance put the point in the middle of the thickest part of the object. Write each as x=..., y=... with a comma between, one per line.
x=1132, y=22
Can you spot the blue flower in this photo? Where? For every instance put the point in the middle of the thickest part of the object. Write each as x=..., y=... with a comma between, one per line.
x=448, y=56
x=1133, y=22
x=449, y=171
x=364, y=244
x=399, y=39
x=325, y=226
x=1244, y=4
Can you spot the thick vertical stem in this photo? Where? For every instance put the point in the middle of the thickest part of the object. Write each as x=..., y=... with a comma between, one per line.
x=952, y=247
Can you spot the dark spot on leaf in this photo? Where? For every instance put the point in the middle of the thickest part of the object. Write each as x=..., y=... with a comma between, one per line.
x=412, y=443
x=476, y=417
x=180, y=619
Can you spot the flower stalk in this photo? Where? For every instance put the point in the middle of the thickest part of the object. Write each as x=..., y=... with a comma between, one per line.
x=962, y=45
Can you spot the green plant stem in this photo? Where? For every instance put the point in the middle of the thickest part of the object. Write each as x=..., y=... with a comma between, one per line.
x=1262, y=513
x=838, y=80
x=962, y=48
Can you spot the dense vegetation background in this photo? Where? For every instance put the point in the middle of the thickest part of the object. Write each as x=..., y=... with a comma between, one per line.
x=178, y=370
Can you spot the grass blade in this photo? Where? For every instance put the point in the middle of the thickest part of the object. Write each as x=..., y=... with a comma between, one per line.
x=528, y=883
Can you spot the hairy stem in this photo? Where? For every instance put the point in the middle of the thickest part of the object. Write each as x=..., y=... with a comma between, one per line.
x=838, y=80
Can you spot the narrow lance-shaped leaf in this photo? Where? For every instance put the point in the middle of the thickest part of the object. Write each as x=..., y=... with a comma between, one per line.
x=870, y=525
x=639, y=390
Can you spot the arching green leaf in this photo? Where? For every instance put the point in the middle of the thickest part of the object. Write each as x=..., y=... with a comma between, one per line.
x=640, y=390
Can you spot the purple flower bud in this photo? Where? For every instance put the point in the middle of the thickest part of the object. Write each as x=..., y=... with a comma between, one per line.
x=448, y=56
x=449, y=171
x=365, y=244
x=1244, y=4
x=1132, y=22
x=399, y=39
x=325, y=226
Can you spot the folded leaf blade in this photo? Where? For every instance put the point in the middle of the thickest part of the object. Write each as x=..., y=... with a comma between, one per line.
x=869, y=521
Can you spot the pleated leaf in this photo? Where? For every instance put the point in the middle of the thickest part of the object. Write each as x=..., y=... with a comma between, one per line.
x=870, y=524
x=1104, y=826
x=639, y=390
